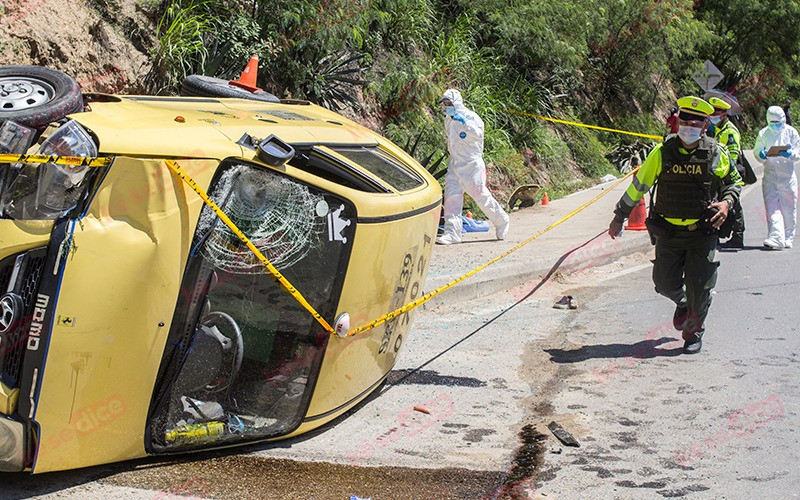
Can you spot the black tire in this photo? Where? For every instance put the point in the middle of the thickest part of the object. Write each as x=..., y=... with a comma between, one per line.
x=35, y=96
x=208, y=86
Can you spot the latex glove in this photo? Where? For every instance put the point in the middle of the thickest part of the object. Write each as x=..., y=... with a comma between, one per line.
x=460, y=118
x=763, y=154
x=787, y=153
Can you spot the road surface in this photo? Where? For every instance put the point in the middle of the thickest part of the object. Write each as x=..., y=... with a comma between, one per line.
x=652, y=422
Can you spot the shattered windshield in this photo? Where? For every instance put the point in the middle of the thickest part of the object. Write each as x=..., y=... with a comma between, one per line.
x=243, y=355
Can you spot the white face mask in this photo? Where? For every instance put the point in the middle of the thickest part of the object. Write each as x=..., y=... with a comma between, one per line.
x=689, y=135
x=715, y=119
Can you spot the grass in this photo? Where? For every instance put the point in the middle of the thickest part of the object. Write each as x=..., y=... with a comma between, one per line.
x=180, y=43
x=417, y=49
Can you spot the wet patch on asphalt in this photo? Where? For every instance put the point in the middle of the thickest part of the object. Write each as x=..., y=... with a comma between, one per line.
x=648, y=484
x=249, y=477
x=682, y=492
x=527, y=460
x=430, y=377
x=476, y=435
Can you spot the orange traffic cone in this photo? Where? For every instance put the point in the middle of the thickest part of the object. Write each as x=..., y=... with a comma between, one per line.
x=637, y=217
x=545, y=200
x=248, y=79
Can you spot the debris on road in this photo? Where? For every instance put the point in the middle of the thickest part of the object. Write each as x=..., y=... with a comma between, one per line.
x=562, y=435
x=422, y=409
x=565, y=302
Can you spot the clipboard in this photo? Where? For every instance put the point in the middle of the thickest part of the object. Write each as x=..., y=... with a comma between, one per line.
x=774, y=150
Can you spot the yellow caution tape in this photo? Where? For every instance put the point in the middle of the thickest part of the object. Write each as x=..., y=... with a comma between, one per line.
x=429, y=295
x=584, y=125
x=76, y=161
x=172, y=165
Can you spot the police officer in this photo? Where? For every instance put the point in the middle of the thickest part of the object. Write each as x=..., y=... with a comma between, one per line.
x=696, y=189
x=728, y=135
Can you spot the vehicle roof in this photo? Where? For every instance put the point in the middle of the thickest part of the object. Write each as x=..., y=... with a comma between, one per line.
x=152, y=126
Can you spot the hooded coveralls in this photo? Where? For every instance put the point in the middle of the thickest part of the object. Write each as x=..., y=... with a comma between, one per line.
x=466, y=172
x=779, y=184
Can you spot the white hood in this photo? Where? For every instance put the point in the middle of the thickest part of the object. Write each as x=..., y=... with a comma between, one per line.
x=454, y=96
x=775, y=114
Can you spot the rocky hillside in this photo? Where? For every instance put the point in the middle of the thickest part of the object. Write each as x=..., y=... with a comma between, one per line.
x=104, y=45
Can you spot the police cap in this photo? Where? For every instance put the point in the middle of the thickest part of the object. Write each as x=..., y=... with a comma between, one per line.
x=719, y=103
x=695, y=106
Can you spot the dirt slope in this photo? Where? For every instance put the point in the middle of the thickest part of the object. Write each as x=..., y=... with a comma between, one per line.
x=103, y=44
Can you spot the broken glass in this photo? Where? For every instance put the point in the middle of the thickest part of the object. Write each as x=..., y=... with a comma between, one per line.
x=243, y=355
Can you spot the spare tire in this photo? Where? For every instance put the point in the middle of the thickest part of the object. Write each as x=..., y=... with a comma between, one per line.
x=35, y=96
x=208, y=86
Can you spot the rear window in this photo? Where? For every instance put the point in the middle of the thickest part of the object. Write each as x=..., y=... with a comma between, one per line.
x=388, y=169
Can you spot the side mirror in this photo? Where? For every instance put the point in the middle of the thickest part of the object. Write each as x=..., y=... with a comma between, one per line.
x=274, y=152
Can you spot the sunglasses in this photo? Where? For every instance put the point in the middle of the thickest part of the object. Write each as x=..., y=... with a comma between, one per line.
x=691, y=123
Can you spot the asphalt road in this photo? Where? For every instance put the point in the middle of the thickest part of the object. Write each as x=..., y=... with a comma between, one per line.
x=492, y=373
x=656, y=423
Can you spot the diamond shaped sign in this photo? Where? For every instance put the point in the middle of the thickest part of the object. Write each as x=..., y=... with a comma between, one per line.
x=709, y=76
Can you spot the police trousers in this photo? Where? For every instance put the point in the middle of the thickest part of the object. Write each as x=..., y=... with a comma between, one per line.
x=738, y=222
x=685, y=272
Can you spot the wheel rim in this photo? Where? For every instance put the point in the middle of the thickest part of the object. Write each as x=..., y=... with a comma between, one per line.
x=21, y=93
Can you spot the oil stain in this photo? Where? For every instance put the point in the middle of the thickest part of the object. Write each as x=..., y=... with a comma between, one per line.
x=527, y=460
x=682, y=492
x=476, y=435
x=626, y=437
x=602, y=472
x=648, y=484
x=430, y=377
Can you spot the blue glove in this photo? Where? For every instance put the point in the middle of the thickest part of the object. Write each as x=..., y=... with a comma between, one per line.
x=763, y=154
x=787, y=153
x=460, y=118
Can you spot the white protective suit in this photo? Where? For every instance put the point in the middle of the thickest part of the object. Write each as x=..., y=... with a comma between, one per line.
x=466, y=172
x=779, y=184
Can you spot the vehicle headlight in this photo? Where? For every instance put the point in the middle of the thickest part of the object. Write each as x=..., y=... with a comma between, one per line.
x=45, y=191
x=12, y=445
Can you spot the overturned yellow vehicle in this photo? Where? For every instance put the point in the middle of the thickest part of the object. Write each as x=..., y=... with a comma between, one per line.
x=133, y=322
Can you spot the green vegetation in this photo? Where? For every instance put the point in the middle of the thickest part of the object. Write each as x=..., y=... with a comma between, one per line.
x=617, y=63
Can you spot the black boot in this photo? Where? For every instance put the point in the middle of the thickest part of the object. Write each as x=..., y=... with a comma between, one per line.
x=692, y=345
x=736, y=242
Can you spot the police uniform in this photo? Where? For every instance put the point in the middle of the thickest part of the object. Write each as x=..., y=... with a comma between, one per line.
x=728, y=135
x=687, y=183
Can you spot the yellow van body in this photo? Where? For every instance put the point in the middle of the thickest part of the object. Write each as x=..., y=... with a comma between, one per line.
x=124, y=294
